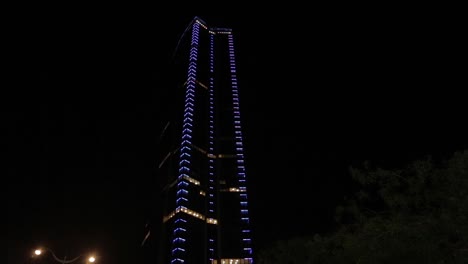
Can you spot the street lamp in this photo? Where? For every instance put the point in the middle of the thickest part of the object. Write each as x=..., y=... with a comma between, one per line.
x=40, y=251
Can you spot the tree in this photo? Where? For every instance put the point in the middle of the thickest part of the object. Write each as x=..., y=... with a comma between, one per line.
x=417, y=214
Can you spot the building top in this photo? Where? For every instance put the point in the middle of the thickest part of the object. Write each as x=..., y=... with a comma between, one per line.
x=211, y=29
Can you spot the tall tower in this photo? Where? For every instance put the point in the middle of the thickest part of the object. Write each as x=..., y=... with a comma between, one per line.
x=205, y=215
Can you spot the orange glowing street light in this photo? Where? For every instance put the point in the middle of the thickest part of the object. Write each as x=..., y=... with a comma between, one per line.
x=39, y=251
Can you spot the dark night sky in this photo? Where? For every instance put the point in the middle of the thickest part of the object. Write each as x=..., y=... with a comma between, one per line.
x=319, y=92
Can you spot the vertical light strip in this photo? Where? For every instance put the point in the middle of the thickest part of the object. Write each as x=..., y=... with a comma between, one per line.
x=211, y=178
x=245, y=230
x=178, y=243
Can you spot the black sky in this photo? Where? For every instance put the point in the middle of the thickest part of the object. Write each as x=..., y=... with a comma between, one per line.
x=319, y=92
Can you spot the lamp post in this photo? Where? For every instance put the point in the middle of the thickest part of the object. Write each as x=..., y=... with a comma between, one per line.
x=40, y=251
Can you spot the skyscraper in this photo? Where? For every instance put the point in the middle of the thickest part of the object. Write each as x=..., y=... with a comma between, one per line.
x=206, y=212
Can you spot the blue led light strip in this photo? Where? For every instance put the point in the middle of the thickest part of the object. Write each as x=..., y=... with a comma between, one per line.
x=246, y=240
x=178, y=243
x=211, y=184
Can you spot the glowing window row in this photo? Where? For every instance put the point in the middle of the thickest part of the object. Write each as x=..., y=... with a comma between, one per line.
x=218, y=32
x=213, y=156
x=201, y=24
x=212, y=221
x=192, y=180
x=183, y=210
x=226, y=156
x=232, y=261
x=192, y=213
x=201, y=84
x=232, y=189
x=198, y=82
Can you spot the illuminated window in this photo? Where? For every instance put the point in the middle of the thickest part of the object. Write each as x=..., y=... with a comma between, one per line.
x=201, y=24
x=232, y=261
x=212, y=221
x=192, y=180
x=233, y=189
x=201, y=84
x=192, y=213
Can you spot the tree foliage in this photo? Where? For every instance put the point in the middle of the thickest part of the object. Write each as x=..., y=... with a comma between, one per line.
x=416, y=214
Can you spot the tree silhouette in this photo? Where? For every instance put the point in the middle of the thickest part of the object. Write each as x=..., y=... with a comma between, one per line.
x=416, y=214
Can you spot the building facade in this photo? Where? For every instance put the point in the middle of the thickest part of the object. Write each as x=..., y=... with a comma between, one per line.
x=206, y=212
